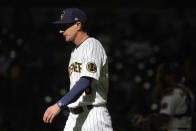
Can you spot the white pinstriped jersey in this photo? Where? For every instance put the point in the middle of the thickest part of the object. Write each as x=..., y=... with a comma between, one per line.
x=175, y=103
x=90, y=59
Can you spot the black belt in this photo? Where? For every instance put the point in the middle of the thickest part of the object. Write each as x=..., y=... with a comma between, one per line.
x=80, y=109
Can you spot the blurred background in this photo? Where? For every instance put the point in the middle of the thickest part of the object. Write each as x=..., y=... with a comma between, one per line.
x=34, y=59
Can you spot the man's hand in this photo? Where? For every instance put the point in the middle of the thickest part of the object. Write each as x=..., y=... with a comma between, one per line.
x=50, y=113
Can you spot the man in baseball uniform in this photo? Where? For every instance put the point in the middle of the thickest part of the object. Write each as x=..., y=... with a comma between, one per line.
x=88, y=72
x=176, y=103
x=176, y=99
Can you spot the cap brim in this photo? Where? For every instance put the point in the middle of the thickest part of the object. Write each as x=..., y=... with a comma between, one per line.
x=64, y=21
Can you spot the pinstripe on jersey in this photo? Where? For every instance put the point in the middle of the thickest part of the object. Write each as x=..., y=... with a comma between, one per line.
x=90, y=59
x=97, y=119
x=90, y=51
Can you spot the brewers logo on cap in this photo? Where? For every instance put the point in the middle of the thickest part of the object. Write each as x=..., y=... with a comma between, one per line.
x=75, y=18
x=91, y=67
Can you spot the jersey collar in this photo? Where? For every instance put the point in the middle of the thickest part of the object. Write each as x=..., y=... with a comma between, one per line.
x=82, y=42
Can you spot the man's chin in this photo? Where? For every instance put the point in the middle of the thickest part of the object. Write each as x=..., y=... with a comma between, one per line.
x=67, y=40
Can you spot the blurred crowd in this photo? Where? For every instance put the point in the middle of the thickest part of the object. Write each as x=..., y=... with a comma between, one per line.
x=34, y=59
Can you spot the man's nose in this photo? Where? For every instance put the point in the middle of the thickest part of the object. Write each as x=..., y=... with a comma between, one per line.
x=61, y=32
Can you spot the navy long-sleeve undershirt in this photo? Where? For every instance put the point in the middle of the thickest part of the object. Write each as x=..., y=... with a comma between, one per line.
x=76, y=91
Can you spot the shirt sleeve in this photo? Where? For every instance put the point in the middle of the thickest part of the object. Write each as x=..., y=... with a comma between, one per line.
x=92, y=60
x=173, y=104
x=167, y=105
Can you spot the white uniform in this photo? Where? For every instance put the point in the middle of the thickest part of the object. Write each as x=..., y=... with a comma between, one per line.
x=90, y=59
x=175, y=105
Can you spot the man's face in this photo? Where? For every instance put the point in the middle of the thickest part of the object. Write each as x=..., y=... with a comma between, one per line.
x=69, y=31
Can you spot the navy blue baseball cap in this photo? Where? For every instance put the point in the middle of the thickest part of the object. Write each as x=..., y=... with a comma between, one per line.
x=71, y=15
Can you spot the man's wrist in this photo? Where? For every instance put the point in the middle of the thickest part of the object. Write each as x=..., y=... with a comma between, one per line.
x=60, y=104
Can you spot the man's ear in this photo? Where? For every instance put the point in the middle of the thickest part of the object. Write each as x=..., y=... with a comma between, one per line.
x=79, y=26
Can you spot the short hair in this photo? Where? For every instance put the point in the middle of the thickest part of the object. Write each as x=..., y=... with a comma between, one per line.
x=84, y=27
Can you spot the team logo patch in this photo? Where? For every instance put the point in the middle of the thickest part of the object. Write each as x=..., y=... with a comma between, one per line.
x=91, y=67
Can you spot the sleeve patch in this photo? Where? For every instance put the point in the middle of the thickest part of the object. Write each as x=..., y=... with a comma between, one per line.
x=91, y=67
